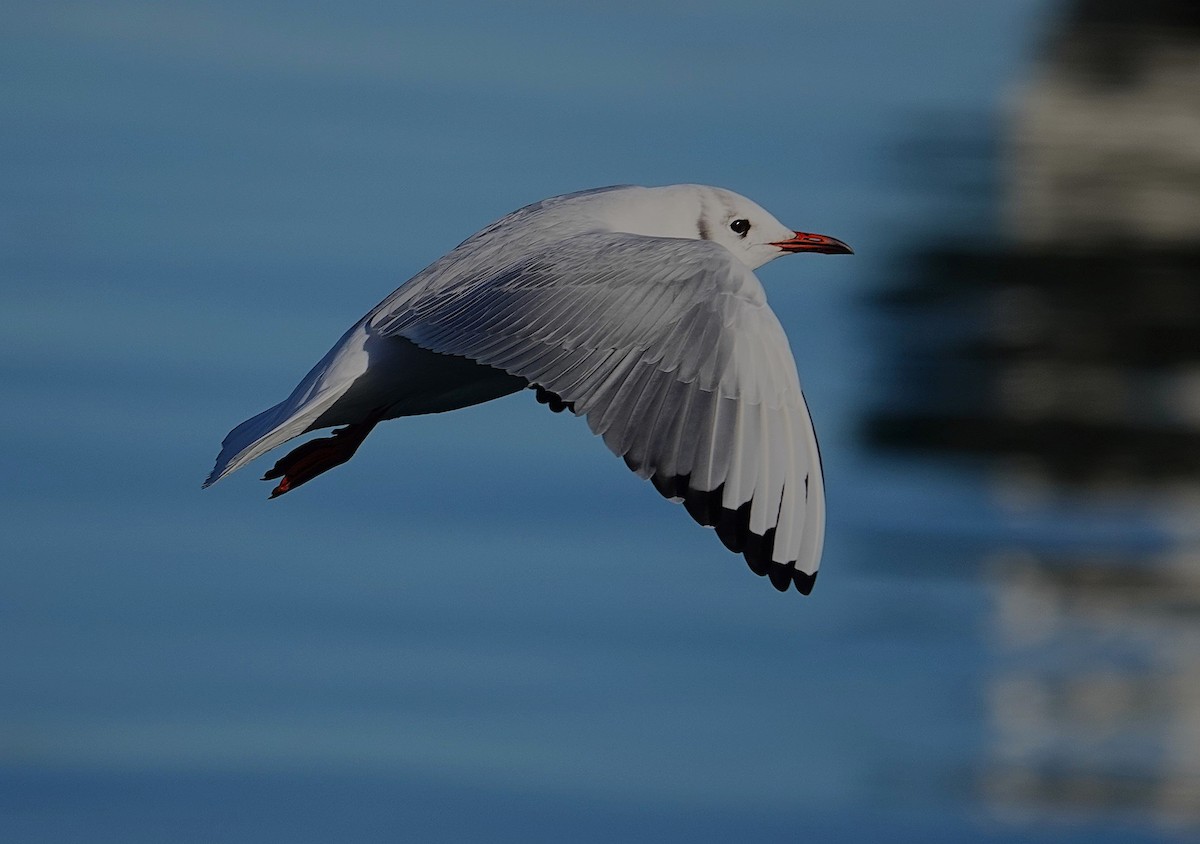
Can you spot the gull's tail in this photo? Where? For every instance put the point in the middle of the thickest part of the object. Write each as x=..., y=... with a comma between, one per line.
x=324, y=385
x=259, y=434
x=253, y=437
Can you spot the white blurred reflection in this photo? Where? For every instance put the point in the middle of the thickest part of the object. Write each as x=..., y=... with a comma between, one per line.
x=1063, y=346
x=1106, y=140
x=1096, y=704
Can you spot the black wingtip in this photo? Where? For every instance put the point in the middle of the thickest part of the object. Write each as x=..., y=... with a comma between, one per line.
x=733, y=529
x=673, y=486
x=780, y=576
x=704, y=507
x=552, y=400
x=804, y=581
x=783, y=576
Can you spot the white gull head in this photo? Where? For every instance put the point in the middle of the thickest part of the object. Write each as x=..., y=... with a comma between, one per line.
x=700, y=212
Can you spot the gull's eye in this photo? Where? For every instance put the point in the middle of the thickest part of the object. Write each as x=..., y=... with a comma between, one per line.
x=740, y=227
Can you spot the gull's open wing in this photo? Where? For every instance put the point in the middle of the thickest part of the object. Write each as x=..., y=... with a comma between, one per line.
x=669, y=349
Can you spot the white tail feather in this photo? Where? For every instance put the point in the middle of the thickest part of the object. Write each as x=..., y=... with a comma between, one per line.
x=327, y=382
x=263, y=432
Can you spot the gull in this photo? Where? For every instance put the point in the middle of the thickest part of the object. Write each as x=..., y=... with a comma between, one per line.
x=634, y=307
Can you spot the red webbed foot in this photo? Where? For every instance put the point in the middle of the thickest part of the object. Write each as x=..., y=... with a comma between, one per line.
x=302, y=464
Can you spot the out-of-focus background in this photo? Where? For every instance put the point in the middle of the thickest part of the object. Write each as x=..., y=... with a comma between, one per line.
x=484, y=627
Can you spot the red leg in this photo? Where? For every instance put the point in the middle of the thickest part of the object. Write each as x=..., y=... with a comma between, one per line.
x=302, y=464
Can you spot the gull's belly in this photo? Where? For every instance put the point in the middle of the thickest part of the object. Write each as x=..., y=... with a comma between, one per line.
x=402, y=379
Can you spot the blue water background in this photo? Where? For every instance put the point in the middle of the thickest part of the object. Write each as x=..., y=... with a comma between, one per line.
x=484, y=627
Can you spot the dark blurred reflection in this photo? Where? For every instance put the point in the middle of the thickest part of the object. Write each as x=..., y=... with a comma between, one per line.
x=1050, y=331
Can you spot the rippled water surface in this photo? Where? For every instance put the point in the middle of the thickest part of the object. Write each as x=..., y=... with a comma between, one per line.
x=484, y=628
